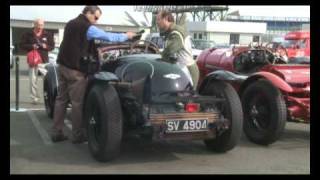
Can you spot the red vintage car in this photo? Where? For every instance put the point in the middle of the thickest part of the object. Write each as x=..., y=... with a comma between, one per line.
x=272, y=92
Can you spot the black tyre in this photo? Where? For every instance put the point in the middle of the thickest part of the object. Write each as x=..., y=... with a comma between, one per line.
x=49, y=96
x=231, y=109
x=265, y=112
x=103, y=116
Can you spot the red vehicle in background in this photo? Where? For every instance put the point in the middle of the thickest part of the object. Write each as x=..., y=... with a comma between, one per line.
x=295, y=46
x=297, y=43
x=271, y=91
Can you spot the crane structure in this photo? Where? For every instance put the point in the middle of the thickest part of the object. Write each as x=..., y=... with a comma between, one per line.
x=199, y=13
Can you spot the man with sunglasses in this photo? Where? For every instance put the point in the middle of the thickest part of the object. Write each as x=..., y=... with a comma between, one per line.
x=72, y=78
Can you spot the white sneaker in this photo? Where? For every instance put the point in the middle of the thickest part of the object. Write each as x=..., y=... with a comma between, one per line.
x=35, y=101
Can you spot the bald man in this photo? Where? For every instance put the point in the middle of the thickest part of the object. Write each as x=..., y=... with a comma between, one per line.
x=41, y=40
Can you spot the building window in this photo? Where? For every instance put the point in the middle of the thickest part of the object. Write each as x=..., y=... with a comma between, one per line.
x=200, y=36
x=195, y=36
x=234, y=38
x=256, y=39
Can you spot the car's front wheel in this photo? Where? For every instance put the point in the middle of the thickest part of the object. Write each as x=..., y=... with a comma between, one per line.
x=103, y=116
x=231, y=110
x=265, y=112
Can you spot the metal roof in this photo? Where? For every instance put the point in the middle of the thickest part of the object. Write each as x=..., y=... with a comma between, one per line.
x=180, y=9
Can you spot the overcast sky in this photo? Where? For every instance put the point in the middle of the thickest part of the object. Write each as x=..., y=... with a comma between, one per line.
x=115, y=14
x=278, y=11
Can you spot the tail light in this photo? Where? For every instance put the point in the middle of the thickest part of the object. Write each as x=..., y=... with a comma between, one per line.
x=192, y=107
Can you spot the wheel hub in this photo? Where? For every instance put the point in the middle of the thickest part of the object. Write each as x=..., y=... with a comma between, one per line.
x=92, y=121
x=258, y=115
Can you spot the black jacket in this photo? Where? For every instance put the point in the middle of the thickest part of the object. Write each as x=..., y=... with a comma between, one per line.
x=29, y=38
x=74, y=45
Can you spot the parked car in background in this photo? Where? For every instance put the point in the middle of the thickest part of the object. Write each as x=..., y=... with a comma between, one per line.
x=195, y=51
x=157, y=39
x=218, y=46
x=53, y=55
x=203, y=44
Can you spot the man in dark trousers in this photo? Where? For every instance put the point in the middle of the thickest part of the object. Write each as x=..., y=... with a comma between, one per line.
x=72, y=78
x=42, y=41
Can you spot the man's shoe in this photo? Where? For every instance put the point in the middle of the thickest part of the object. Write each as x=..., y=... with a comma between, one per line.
x=79, y=139
x=59, y=137
x=35, y=101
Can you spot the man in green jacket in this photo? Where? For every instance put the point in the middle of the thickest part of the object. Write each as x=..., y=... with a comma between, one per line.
x=177, y=45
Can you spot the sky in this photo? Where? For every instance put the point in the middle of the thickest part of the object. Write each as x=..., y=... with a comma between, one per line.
x=277, y=11
x=116, y=15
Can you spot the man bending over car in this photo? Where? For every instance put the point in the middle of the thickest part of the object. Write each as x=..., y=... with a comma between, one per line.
x=71, y=72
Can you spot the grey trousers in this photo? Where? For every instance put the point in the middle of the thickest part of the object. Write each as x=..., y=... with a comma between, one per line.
x=194, y=72
x=33, y=83
x=72, y=86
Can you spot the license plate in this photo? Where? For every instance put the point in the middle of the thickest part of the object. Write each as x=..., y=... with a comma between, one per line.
x=176, y=126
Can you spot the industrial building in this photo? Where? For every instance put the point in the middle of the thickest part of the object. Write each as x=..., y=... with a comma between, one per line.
x=224, y=32
x=276, y=26
x=20, y=22
x=210, y=23
x=18, y=27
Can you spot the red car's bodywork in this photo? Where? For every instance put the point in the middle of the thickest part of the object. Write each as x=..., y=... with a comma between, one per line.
x=292, y=80
x=297, y=43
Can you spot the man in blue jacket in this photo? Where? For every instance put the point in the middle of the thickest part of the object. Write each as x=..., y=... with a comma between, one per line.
x=72, y=78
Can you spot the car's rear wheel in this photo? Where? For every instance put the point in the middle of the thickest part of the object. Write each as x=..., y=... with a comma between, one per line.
x=103, y=116
x=49, y=97
x=232, y=111
x=265, y=112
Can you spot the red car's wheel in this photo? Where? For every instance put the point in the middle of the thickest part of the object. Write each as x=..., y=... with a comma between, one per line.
x=264, y=112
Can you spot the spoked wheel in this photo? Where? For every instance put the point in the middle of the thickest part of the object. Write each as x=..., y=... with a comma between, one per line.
x=259, y=111
x=265, y=112
x=231, y=110
x=103, y=116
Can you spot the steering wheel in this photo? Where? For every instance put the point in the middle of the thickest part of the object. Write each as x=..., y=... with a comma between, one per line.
x=270, y=45
x=147, y=44
x=282, y=51
x=277, y=56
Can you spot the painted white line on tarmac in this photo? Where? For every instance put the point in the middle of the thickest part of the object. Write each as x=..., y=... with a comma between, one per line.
x=26, y=109
x=23, y=79
x=43, y=133
x=14, y=142
x=36, y=109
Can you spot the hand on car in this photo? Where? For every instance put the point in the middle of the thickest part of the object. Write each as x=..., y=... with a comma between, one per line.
x=131, y=35
x=35, y=46
x=44, y=46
